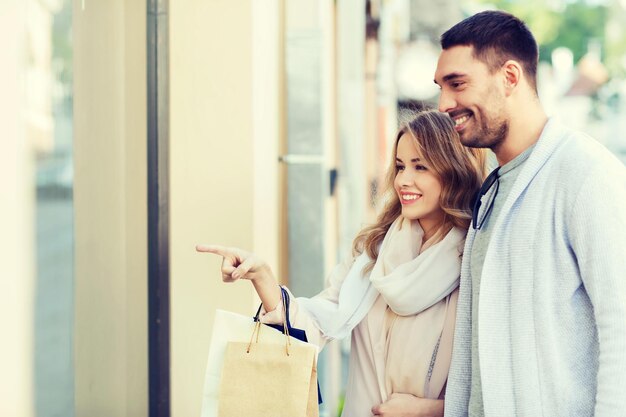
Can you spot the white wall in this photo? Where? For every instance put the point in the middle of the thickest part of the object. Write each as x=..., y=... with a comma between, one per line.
x=16, y=222
x=224, y=139
x=110, y=331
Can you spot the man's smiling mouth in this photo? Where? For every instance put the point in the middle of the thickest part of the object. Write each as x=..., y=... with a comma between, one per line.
x=460, y=119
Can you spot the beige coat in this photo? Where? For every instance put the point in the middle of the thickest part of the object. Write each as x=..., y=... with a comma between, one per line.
x=388, y=353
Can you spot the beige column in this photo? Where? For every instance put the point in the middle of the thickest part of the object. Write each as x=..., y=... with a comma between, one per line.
x=16, y=222
x=224, y=136
x=110, y=330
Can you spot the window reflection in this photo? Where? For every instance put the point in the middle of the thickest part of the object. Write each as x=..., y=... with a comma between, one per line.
x=49, y=118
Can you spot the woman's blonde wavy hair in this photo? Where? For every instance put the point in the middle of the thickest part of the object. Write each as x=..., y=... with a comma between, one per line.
x=460, y=170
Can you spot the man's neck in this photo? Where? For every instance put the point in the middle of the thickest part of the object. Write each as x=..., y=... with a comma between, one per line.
x=524, y=131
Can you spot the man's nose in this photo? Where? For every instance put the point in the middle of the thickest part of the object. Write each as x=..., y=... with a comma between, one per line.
x=446, y=102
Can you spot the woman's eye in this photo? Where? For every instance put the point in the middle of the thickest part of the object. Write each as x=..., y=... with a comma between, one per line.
x=420, y=167
x=399, y=168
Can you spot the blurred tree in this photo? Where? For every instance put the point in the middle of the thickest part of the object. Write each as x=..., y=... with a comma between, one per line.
x=616, y=40
x=577, y=26
x=573, y=24
x=62, y=48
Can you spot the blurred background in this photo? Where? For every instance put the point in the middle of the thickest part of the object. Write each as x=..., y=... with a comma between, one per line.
x=133, y=130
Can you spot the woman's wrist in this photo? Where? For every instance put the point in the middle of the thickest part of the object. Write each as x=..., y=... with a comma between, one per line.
x=268, y=290
x=433, y=409
x=409, y=405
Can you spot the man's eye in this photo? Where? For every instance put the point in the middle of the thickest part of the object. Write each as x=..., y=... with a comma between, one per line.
x=457, y=84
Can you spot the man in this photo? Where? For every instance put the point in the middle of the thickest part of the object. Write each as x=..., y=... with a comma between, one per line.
x=541, y=324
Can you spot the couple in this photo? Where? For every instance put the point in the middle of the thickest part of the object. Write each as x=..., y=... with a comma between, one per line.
x=522, y=315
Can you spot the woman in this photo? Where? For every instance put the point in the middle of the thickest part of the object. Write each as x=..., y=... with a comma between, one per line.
x=397, y=295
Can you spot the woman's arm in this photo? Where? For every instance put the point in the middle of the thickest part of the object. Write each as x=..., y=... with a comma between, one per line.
x=239, y=264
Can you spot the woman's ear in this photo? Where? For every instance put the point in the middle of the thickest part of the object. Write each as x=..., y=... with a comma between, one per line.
x=513, y=73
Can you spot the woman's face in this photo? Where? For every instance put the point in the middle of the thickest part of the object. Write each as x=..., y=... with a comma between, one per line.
x=417, y=186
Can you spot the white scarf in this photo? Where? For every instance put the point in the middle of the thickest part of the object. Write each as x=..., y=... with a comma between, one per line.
x=409, y=281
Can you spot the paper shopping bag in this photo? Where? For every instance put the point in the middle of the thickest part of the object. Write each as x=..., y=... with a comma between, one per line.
x=232, y=327
x=268, y=379
x=287, y=327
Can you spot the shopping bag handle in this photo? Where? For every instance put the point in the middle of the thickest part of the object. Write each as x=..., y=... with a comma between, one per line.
x=285, y=300
x=286, y=324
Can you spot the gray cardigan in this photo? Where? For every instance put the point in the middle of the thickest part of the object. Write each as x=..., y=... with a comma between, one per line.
x=552, y=314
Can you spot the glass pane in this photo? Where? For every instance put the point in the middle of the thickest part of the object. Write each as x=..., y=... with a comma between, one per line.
x=49, y=83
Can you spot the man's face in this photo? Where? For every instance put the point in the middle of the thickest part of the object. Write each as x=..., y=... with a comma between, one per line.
x=473, y=97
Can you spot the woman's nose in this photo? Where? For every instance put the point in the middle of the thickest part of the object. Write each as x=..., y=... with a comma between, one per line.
x=405, y=178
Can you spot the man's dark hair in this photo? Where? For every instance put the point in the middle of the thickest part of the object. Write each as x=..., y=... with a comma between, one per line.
x=496, y=37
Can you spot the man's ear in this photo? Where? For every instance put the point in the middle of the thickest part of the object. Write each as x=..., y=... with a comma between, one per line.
x=513, y=73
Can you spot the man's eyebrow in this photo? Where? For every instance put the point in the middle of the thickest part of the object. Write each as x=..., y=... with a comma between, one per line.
x=451, y=76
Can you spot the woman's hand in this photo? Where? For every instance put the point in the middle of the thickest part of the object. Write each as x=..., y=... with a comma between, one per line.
x=407, y=405
x=237, y=263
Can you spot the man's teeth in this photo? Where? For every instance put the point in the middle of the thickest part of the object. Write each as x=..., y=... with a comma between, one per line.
x=410, y=197
x=460, y=120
